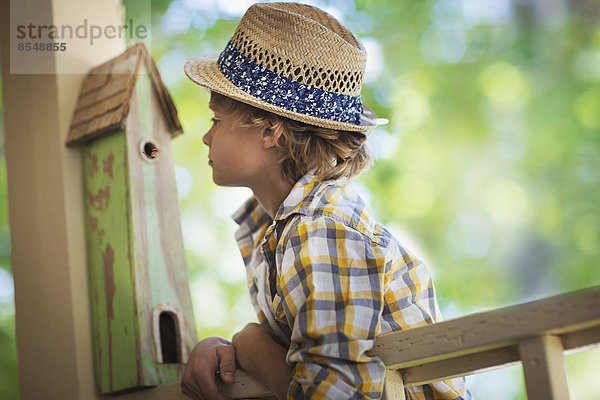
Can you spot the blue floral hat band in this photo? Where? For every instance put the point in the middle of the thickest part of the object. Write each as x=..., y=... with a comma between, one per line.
x=293, y=60
x=286, y=93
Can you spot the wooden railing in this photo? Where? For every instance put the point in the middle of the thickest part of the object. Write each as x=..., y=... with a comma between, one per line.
x=537, y=334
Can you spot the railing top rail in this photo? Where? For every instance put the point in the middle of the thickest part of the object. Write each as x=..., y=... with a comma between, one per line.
x=557, y=315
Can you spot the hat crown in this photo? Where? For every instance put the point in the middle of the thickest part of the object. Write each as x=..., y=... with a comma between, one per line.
x=304, y=44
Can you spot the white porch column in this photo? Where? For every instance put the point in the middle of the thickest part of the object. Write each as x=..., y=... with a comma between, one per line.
x=45, y=193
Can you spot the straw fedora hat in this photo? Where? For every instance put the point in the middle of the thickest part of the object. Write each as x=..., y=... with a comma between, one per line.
x=293, y=60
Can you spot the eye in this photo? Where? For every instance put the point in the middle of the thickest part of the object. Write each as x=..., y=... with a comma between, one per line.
x=215, y=120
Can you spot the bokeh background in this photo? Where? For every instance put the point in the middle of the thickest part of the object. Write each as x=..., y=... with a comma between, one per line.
x=488, y=170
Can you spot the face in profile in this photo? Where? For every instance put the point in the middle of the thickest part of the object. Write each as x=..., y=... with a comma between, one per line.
x=236, y=153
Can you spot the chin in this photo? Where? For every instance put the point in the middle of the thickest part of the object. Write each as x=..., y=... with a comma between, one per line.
x=223, y=181
x=217, y=180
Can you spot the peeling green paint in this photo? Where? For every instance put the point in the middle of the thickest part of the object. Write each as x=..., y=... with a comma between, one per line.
x=111, y=286
x=135, y=250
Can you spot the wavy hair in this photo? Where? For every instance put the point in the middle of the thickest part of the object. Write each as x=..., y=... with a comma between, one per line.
x=332, y=153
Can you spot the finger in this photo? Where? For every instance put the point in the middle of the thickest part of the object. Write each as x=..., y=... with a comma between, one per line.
x=189, y=386
x=205, y=378
x=190, y=393
x=226, y=356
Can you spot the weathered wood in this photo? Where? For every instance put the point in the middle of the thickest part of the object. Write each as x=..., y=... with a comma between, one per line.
x=493, y=329
x=544, y=368
x=393, y=387
x=243, y=386
x=585, y=339
x=111, y=286
x=159, y=259
x=460, y=366
x=142, y=317
x=105, y=96
x=103, y=91
x=93, y=125
x=97, y=80
x=488, y=360
x=166, y=101
x=100, y=107
x=168, y=391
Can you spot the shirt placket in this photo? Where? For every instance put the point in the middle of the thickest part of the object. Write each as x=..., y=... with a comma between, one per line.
x=266, y=279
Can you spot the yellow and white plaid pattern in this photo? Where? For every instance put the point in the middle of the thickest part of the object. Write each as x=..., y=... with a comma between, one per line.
x=327, y=278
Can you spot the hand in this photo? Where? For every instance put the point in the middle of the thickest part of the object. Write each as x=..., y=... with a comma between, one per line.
x=259, y=353
x=244, y=338
x=209, y=356
x=243, y=343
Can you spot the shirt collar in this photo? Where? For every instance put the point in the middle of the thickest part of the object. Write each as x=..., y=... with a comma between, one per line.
x=251, y=215
x=299, y=199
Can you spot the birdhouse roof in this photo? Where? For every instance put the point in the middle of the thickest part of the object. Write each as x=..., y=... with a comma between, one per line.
x=106, y=92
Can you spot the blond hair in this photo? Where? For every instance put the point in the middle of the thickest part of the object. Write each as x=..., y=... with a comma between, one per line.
x=332, y=153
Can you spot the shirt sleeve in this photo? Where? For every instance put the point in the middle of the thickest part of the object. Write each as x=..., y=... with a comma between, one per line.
x=331, y=288
x=336, y=286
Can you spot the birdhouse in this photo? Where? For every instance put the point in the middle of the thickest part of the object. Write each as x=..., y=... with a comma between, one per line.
x=142, y=322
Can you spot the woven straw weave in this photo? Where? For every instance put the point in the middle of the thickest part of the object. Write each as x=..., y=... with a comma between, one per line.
x=292, y=45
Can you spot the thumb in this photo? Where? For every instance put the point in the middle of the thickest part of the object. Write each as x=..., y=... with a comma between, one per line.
x=226, y=356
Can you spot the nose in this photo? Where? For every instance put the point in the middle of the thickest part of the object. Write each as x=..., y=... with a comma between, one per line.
x=206, y=139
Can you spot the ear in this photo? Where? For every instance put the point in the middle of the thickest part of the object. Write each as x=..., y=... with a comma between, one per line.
x=271, y=133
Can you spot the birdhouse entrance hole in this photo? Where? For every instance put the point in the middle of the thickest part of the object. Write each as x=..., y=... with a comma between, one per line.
x=169, y=339
x=168, y=324
x=149, y=150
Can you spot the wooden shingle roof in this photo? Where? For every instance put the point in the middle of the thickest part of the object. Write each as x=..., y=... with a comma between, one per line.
x=106, y=92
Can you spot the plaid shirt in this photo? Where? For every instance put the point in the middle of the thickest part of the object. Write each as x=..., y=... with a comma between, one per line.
x=327, y=278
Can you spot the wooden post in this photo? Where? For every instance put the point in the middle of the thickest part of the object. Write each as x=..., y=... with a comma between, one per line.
x=544, y=368
x=393, y=387
x=46, y=207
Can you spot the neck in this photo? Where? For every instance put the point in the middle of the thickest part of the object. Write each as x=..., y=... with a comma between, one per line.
x=271, y=191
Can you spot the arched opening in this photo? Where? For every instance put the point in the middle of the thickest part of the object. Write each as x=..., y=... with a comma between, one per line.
x=169, y=338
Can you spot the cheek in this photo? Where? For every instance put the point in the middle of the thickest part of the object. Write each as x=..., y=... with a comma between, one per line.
x=244, y=158
x=246, y=146
x=239, y=151
x=220, y=144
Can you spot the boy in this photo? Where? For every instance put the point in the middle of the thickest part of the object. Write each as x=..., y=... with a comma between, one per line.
x=324, y=277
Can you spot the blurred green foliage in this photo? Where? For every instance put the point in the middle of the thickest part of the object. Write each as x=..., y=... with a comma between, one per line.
x=8, y=351
x=488, y=169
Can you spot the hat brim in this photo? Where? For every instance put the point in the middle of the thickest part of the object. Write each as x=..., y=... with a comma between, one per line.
x=205, y=72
